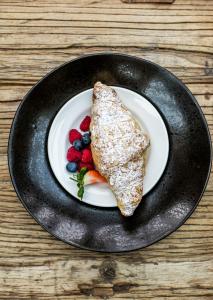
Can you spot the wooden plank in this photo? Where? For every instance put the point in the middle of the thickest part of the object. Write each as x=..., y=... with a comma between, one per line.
x=108, y=9
x=148, y=1
x=33, y=64
x=65, y=271
x=54, y=41
x=89, y=28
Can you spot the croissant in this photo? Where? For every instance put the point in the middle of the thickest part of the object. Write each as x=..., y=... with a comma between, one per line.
x=118, y=144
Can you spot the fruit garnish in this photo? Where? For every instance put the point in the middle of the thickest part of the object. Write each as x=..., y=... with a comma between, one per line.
x=86, y=139
x=93, y=176
x=86, y=156
x=89, y=166
x=72, y=167
x=73, y=155
x=74, y=134
x=78, y=145
x=80, y=158
x=84, y=126
x=85, y=177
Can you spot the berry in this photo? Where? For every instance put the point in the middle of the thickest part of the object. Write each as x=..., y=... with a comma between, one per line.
x=78, y=145
x=74, y=135
x=84, y=126
x=93, y=176
x=72, y=167
x=86, y=139
x=86, y=156
x=73, y=155
x=86, y=165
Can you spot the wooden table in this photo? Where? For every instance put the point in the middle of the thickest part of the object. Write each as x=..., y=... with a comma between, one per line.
x=35, y=37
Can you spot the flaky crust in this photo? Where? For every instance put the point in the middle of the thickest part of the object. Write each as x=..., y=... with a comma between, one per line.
x=118, y=144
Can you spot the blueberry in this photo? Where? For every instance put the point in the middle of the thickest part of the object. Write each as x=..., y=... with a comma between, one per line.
x=77, y=145
x=86, y=139
x=71, y=167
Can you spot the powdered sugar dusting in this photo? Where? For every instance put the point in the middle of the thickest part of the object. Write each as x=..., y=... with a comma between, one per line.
x=119, y=143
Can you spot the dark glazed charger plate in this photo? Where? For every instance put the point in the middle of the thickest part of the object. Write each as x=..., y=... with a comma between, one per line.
x=163, y=209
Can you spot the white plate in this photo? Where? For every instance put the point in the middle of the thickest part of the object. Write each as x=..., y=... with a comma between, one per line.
x=70, y=116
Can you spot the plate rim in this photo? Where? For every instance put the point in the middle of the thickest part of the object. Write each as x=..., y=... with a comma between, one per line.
x=107, y=53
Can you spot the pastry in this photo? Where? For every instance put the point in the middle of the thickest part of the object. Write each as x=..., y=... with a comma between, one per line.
x=118, y=144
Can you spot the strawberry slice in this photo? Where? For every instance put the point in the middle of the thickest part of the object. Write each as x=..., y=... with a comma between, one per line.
x=93, y=176
x=85, y=177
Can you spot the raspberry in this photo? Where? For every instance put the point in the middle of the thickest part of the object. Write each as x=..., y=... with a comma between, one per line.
x=85, y=123
x=74, y=134
x=86, y=156
x=73, y=154
x=87, y=165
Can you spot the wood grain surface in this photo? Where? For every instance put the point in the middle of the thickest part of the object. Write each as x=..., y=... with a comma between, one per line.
x=35, y=37
x=148, y=1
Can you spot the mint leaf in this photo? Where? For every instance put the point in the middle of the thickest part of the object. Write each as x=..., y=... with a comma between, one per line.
x=81, y=192
x=83, y=170
x=72, y=178
x=82, y=173
x=79, y=178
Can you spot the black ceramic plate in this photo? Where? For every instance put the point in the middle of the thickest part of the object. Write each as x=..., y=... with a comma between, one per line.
x=164, y=209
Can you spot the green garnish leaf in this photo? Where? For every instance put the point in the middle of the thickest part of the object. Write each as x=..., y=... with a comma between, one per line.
x=82, y=173
x=72, y=178
x=79, y=178
x=81, y=192
x=83, y=170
